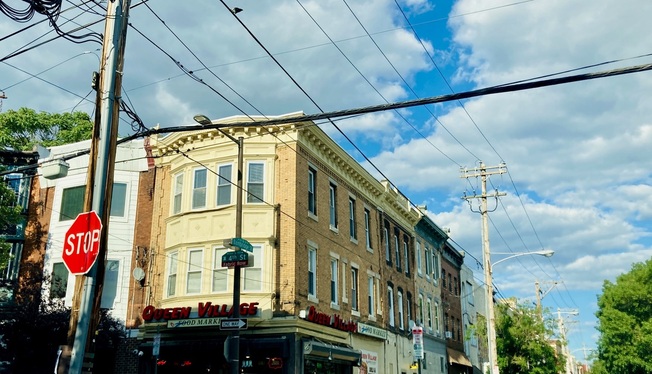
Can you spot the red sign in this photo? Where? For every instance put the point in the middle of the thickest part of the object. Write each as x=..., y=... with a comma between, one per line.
x=204, y=310
x=82, y=243
x=275, y=363
x=334, y=321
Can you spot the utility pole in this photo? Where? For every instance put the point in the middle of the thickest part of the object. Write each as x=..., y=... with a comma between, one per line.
x=101, y=166
x=540, y=295
x=483, y=172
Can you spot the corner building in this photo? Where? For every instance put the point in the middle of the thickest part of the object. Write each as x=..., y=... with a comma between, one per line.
x=315, y=296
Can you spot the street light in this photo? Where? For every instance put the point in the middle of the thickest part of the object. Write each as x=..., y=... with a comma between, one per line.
x=491, y=318
x=543, y=252
x=234, y=344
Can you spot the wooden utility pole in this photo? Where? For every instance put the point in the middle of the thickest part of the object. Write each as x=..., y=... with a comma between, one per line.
x=483, y=172
x=88, y=288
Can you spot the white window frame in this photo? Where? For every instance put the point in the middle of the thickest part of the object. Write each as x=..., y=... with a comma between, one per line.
x=194, y=269
x=397, y=251
x=177, y=198
x=344, y=274
x=367, y=229
x=247, y=272
x=312, y=191
x=332, y=205
x=417, y=250
x=406, y=253
x=435, y=265
x=172, y=274
x=421, y=314
x=353, y=230
x=388, y=251
x=312, y=268
x=428, y=260
x=355, y=293
x=224, y=184
x=429, y=313
x=371, y=296
x=201, y=190
x=253, y=199
x=334, y=282
x=437, y=322
x=390, y=307
x=218, y=251
x=401, y=317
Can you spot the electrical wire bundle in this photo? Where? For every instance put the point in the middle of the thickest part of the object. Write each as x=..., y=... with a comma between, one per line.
x=46, y=7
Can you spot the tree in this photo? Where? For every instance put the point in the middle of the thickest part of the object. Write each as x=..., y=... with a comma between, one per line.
x=522, y=342
x=9, y=216
x=625, y=322
x=24, y=128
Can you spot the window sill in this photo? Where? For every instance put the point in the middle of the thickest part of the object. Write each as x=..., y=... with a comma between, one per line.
x=313, y=299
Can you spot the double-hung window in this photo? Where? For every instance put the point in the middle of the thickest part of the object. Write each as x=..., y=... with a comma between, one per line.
x=401, y=325
x=199, y=189
x=193, y=279
x=332, y=205
x=436, y=317
x=256, y=182
x=312, y=191
x=417, y=251
x=390, y=305
x=406, y=253
x=220, y=274
x=224, y=184
x=334, y=278
x=312, y=272
x=253, y=276
x=435, y=265
x=388, y=252
x=354, y=288
x=173, y=264
x=367, y=228
x=421, y=309
x=429, y=311
x=352, y=223
x=397, y=250
x=59, y=281
x=178, y=193
x=371, y=298
x=427, y=256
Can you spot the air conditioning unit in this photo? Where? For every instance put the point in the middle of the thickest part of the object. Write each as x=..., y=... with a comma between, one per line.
x=449, y=335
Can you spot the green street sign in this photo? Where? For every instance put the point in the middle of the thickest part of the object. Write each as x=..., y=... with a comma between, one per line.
x=235, y=258
x=242, y=244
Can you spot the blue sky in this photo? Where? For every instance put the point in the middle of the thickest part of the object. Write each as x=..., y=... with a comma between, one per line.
x=577, y=155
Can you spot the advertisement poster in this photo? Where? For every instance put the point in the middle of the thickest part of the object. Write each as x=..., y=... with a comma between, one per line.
x=369, y=364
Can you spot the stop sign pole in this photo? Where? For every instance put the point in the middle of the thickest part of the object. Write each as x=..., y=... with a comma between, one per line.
x=105, y=134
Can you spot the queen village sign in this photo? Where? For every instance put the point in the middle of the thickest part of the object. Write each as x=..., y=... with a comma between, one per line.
x=207, y=314
x=334, y=321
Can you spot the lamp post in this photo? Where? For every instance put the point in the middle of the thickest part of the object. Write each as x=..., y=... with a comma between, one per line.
x=234, y=344
x=491, y=317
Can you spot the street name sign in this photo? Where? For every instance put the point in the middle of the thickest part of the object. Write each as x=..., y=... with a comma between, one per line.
x=239, y=243
x=235, y=258
x=233, y=324
x=82, y=243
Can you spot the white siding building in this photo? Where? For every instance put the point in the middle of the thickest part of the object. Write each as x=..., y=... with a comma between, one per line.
x=68, y=202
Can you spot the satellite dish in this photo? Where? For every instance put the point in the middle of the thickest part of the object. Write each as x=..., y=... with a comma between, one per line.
x=139, y=274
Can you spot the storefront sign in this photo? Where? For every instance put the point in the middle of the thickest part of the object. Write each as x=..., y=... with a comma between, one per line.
x=204, y=310
x=334, y=321
x=275, y=363
x=369, y=362
x=372, y=331
x=193, y=322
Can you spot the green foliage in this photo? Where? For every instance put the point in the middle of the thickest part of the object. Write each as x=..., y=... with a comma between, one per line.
x=9, y=216
x=32, y=335
x=625, y=322
x=522, y=342
x=24, y=128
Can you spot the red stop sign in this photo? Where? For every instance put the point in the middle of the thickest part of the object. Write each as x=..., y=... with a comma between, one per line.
x=82, y=243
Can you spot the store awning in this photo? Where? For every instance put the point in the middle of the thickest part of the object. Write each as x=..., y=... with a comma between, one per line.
x=335, y=352
x=457, y=357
